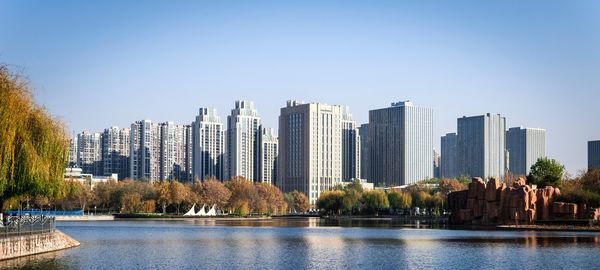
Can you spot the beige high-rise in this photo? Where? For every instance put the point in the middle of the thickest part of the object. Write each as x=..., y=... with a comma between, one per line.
x=310, y=148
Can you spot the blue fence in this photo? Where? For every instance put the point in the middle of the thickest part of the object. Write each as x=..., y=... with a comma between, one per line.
x=38, y=212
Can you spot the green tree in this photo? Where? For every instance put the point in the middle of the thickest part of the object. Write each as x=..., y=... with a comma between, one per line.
x=546, y=172
x=399, y=200
x=332, y=201
x=374, y=201
x=33, y=145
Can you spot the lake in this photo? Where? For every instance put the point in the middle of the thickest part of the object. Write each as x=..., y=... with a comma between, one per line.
x=309, y=243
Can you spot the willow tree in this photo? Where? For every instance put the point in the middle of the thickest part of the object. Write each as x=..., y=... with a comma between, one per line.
x=33, y=145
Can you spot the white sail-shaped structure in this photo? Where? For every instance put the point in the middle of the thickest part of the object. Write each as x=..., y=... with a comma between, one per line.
x=192, y=211
x=202, y=212
x=212, y=211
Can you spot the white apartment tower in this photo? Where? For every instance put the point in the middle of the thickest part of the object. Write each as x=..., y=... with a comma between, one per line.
x=268, y=153
x=243, y=130
x=89, y=152
x=145, y=150
x=208, y=144
x=115, y=151
x=310, y=148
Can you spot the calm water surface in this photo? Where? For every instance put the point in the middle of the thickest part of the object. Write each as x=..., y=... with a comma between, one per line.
x=309, y=244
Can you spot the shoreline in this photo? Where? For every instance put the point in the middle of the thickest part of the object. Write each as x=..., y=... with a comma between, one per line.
x=410, y=220
x=18, y=246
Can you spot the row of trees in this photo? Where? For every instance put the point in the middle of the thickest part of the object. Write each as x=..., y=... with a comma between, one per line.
x=238, y=196
x=353, y=200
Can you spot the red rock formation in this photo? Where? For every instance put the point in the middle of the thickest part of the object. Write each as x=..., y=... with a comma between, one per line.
x=495, y=203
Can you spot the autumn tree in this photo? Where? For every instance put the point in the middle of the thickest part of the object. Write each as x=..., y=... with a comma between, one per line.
x=297, y=202
x=244, y=196
x=177, y=194
x=214, y=192
x=163, y=195
x=451, y=185
x=271, y=199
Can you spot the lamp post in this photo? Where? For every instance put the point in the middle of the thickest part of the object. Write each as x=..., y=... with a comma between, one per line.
x=94, y=210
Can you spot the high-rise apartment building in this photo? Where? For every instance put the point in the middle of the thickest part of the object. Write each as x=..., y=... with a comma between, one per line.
x=243, y=129
x=524, y=146
x=89, y=152
x=310, y=148
x=115, y=152
x=448, y=166
x=400, y=144
x=208, y=144
x=351, y=151
x=363, y=132
x=268, y=153
x=594, y=155
x=145, y=150
x=481, y=146
x=182, y=160
x=175, y=152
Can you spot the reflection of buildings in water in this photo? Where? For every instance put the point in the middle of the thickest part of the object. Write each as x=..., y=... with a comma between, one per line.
x=205, y=222
x=325, y=247
x=313, y=222
x=531, y=240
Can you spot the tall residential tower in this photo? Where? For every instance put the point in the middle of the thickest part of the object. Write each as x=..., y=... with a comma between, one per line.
x=243, y=129
x=208, y=144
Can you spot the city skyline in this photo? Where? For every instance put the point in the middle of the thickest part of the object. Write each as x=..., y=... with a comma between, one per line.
x=466, y=60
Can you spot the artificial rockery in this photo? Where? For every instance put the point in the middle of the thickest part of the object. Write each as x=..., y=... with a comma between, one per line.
x=495, y=203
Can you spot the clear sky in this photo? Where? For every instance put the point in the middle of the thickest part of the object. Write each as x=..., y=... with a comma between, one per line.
x=104, y=63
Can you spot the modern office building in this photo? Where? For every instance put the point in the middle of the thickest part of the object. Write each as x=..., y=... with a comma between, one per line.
x=400, y=144
x=363, y=132
x=448, y=165
x=310, y=148
x=89, y=152
x=145, y=150
x=593, y=155
x=481, y=146
x=268, y=153
x=243, y=129
x=524, y=146
x=350, y=147
x=115, y=152
x=208, y=143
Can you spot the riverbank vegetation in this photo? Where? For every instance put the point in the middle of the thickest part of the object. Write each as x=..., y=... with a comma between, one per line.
x=237, y=196
x=423, y=198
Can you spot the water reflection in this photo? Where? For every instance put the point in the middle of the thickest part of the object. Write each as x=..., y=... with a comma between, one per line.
x=308, y=243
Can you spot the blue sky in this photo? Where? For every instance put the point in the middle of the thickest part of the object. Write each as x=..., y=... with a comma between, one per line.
x=98, y=64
